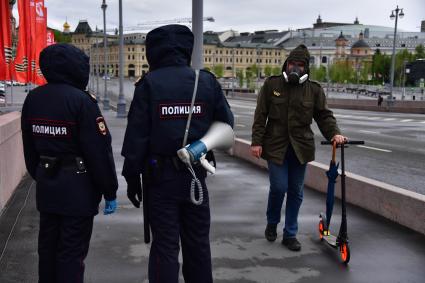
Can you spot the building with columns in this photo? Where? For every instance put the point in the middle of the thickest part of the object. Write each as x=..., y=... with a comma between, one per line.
x=327, y=43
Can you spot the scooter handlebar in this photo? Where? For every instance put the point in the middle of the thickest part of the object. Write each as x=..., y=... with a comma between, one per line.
x=347, y=142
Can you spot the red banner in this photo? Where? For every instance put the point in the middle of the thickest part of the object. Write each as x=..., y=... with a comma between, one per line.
x=50, y=37
x=23, y=53
x=5, y=41
x=40, y=40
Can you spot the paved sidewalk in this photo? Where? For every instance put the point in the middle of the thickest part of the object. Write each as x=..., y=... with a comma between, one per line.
x=381, y=250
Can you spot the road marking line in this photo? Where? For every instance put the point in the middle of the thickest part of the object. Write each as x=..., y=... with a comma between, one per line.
x=423, y=122
x=240, y=125
x=374, y=148
x=369, y=132
x=374, y=118
x=389, y=119
x=406, y=120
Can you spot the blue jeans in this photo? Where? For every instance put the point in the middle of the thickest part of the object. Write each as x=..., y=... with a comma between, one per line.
x=287, y=178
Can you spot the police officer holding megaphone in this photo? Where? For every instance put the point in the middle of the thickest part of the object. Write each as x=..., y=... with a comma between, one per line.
x=176, y=117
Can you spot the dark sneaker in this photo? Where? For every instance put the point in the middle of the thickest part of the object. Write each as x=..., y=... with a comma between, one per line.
x=292, y=244
x=270, y=232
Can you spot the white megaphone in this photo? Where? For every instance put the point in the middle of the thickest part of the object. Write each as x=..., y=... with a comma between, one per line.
x=219, y=136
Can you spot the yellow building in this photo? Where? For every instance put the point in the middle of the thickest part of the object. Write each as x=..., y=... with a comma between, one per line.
x=242, y=57
x=230, y=56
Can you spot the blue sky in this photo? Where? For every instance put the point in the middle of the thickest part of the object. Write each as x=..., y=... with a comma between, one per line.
x=240, y=15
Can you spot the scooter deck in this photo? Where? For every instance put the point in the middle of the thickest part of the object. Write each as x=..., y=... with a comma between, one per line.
x=330, y=239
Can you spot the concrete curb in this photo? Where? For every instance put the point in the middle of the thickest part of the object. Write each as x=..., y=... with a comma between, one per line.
x=12, y=163
x=408, y=107
x=396, y=204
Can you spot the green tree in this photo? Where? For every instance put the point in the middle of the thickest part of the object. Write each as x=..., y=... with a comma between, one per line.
x=342, y=72
x=254, y=70
x=61, y=37
x=380, y=68
x=402, y=57
x=218, y=70
x=276, y=71
x=318, y=74
x=240, y=77
x=365, y=72
x=249, y=78
x=419, y=52
x=267, y=71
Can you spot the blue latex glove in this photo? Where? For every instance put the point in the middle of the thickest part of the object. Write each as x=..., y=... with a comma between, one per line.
x=110, y=206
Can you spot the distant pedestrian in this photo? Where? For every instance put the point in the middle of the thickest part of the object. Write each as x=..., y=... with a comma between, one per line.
x=380, y=99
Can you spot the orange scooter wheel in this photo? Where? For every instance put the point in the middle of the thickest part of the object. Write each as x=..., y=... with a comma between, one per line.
x=321, y=229
x=344, y=252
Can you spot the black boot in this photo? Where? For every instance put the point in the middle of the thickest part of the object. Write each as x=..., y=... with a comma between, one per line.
x=270, y=232
x=292, y=244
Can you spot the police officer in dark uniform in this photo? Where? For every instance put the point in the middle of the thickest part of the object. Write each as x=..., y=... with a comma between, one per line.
x=155, y=131
x=68, y=152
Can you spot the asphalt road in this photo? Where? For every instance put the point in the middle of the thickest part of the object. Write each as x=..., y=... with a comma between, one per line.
x=394, y=152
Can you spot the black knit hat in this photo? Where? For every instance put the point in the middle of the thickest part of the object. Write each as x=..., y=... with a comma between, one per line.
x=300, y=53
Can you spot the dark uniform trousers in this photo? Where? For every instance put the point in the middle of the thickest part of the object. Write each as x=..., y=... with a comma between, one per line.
x=63, y=244
x=172, y=217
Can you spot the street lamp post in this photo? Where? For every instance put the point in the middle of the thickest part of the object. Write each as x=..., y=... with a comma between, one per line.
x=90, y=86
x=258, y=49
x=197, y=29
x=357, y=76
x=233, y=72
x=105, y=59
x=97, y=69
x=121, y=99
x=403, y=80
x=394, y=15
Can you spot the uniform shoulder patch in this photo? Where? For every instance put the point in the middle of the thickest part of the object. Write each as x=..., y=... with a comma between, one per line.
x=101, y=125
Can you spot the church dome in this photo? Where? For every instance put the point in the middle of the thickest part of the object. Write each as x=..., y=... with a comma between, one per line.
x=360, y=44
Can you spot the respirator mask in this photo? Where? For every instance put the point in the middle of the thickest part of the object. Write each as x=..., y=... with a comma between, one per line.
x=295, y=75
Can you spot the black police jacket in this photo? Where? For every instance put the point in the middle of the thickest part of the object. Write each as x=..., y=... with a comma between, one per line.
x=61, y=121
x=158, y=113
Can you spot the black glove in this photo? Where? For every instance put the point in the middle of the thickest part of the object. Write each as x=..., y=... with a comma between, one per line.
x=134, y=190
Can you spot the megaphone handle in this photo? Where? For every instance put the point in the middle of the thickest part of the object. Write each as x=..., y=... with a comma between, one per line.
x=207, y=166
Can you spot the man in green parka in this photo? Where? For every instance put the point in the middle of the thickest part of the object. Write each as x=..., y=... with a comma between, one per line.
x=281, y=134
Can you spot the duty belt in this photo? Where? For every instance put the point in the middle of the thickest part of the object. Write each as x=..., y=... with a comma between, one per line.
x=52, y=164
